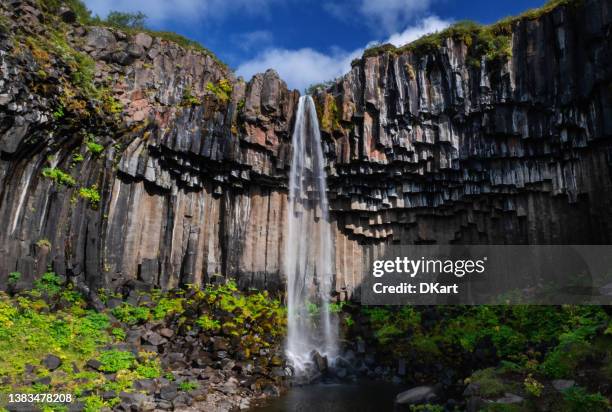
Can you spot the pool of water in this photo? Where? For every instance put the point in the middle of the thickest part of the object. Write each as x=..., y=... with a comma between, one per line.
x=335, y=397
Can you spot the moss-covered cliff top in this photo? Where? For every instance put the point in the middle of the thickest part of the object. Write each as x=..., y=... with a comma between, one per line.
x=491, y=41
x=84, y=17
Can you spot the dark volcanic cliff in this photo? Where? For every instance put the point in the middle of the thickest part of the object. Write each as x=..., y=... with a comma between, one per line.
x=190, y=163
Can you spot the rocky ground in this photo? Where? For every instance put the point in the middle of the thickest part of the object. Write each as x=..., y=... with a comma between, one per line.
x=215, y=349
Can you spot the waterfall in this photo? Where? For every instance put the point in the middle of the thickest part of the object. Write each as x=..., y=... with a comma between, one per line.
x=308, y=251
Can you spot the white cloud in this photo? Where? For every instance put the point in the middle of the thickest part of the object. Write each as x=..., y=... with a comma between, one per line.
x=388, y=15
x=299, y=68
x=188, y=10
x=253, y=39
x=428, y=25
x=303, y=67
x=383, y=16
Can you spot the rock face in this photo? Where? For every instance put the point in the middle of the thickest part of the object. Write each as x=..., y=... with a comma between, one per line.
x=421, y=147
x=427, y=148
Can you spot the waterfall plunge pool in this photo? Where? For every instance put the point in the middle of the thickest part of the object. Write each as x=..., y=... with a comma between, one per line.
x=361, y=396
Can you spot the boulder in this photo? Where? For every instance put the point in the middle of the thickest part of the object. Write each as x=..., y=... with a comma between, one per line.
x=563, y=384
x=51, y=362
x=419, y=394
x=510, y=398
x=143, y=40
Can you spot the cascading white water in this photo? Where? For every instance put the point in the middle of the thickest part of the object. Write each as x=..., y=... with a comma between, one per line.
x=308, y=251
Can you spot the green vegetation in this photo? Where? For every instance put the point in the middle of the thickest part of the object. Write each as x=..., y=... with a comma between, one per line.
x=328, y=112
x=522, y=348
x=49, y=284
x=111, y=104
x=532, y=386
x=314, y=88
x=91, y=194
x=131, y=23
x=77, y=6
x=578, y=399
x=118, y=333
x=490, y=383
x=207, y=323
x=222, y=90
x=187, y=386
x=511, y=330
x=4, y=24
x=123, y=20
x=14, y=277
x=58, y=176
x=94, y=147
x=241, y=105
x=131, y=314
x=115, y=360
x=54, y=319
x=81, y=87
x=426, y=408
x=186, y=43
x=77, y=157
x=59, y=112
x=189, y=99
x=43, y=243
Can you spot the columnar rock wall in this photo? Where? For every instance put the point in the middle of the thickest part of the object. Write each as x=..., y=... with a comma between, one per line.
x=421, y=148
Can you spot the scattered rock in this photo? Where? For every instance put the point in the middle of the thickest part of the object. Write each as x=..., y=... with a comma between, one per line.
x=51, y=362
x=147, y=385
x=154, y=338
x=94, y=364
x=43, y=381
x=166, y=332
x=169, y=391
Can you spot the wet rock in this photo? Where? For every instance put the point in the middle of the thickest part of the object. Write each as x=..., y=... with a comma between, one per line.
x=401, y=367
x=319, y=360
x=271, y=390
x=510, y=398
x=562, y=384
x=419, y=394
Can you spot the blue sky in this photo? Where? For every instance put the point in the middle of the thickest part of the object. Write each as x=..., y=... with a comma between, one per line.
x=306, y=41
